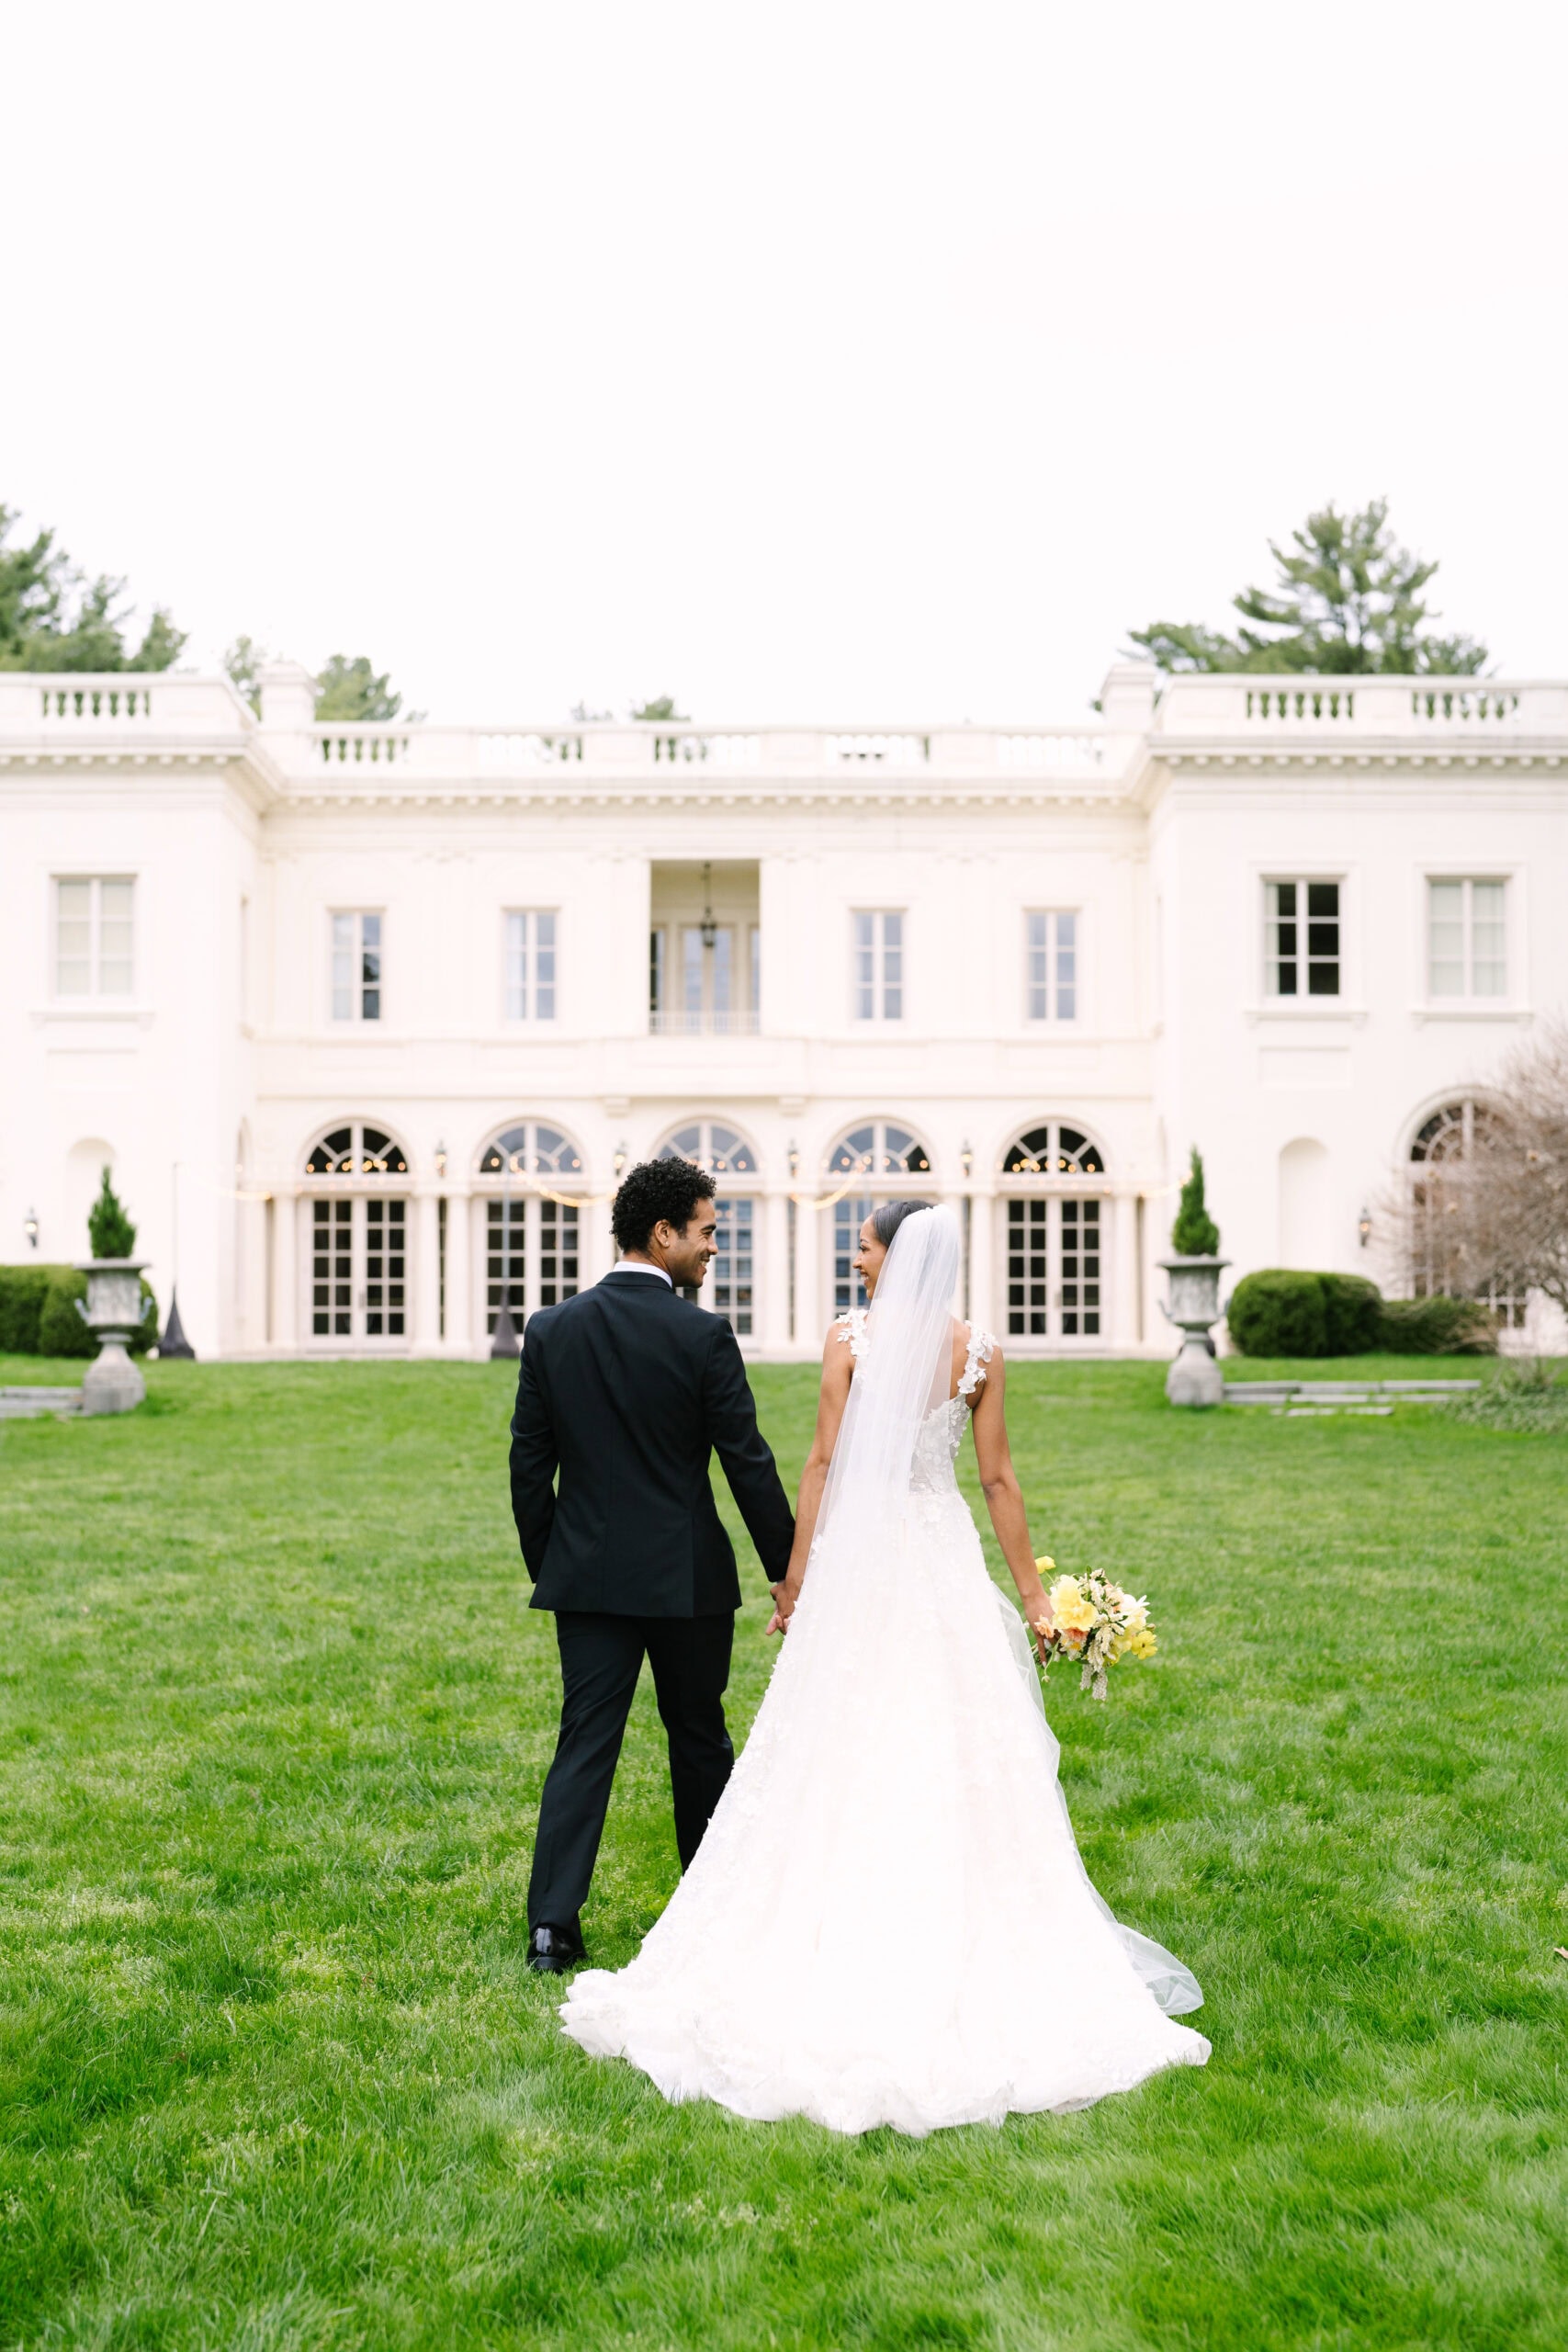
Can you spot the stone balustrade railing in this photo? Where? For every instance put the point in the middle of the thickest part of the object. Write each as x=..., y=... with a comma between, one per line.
x=138, y=716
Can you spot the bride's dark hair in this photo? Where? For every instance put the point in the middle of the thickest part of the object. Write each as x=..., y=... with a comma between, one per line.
x=885, y=1221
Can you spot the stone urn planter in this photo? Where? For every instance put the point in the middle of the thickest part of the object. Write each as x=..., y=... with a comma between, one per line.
x=1194, y=1377
x=113, y=1314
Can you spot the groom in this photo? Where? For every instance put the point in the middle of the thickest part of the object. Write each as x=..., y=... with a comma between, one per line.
x=625, y=1390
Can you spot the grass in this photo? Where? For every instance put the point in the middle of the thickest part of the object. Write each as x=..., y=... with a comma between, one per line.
x=274, y=1716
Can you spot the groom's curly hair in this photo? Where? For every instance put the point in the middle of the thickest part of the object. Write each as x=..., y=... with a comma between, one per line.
x=657, y=1191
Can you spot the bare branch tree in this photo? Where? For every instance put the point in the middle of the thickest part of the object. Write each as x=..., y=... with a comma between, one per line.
x=1486, y=1210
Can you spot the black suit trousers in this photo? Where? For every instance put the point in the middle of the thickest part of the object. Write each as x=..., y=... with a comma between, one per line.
x=600, y=1660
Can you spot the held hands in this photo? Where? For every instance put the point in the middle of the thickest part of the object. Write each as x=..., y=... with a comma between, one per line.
x=786, y=1595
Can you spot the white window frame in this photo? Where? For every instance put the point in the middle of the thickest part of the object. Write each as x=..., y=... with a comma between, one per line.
x=1303, y=999
x=539, y=940
x=1467, y=995
x=1041, y=995
x=356, y=1015
x=95, y=992
x=871, y=983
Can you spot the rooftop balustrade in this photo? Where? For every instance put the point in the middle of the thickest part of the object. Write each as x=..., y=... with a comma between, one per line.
x=167, y=716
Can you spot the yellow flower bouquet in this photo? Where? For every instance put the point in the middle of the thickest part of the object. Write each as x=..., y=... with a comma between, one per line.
x=1094, y=1623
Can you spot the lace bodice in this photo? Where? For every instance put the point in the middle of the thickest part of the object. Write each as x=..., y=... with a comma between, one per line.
x=936, y=1449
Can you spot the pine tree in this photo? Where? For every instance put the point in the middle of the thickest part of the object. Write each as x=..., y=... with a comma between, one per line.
x=1194, y=1234
x=1348, y=603
x=110, y=1233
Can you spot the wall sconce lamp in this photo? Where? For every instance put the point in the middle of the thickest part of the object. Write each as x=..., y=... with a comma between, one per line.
x=440, y=1161
x=29, y=1226
x=794, y=1159
x=619, y=1160
x=966, y=1159
x=1364, y=1226
x=709, y=927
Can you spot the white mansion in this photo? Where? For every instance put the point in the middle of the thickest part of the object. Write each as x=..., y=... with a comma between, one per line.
x=367, y=1019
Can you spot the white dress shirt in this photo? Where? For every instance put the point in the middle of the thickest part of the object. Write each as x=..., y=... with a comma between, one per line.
x=636, y=1266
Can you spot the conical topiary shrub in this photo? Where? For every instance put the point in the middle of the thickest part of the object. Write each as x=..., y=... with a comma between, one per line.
x=110, y=1233
x=1194, y=1234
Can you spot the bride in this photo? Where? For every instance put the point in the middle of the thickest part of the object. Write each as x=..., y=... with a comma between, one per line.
x=887, y=1921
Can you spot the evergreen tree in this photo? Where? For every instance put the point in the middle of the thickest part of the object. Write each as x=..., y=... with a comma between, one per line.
x=1194, y=1234
x=110, y=1233
x=352, y=689
x=242, y=666
x=53, y=617
x=1348, y=603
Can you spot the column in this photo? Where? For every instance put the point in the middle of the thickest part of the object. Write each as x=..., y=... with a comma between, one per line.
x=1121, y=1324
x=986, y=1304
x=427, y=1289
x=811, y=1305
x=459, y=1278
x=773, y=1322
x=286, y=1214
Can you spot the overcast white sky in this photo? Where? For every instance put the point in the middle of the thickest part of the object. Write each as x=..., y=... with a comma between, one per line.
x=860, y=360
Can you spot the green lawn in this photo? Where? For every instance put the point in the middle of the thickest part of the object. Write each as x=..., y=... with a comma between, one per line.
x=274, y=1716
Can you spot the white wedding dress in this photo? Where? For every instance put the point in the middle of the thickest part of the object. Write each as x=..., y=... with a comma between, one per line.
x=888, y=1921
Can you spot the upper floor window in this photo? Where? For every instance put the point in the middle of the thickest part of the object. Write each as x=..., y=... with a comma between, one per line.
x=1051, y=966
x=531, y=964
x=1302, y=938
x=703, y=978
x=878, y=990
x=356, y=968
x=1467, y=951
x=93, y=922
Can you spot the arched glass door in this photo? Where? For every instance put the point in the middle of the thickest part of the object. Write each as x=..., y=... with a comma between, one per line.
x=1055, y=1235
x=890, y=1161
x=1439, y=1153
x=730, y=1289
x=532, y=1252
x=358, y=1238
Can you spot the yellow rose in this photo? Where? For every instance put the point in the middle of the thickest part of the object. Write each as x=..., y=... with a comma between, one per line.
x=1073, y=1611
x=1045, y=1562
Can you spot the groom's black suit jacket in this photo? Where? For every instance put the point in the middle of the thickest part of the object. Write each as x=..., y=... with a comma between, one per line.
x=626, y=1389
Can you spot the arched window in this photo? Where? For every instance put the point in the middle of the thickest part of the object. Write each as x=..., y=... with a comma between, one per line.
x=1055, y=1233
x=359, y=1240
x=530, y=1148
x=356, y=1151
x=1440, y=1149
x=712, y=1145
x=532, y=1240
x=1053, y=1149
x=891, y=1160
x=730, y=1289
x=879, y=1148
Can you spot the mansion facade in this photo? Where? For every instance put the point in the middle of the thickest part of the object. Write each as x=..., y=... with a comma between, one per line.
x=368, y=1020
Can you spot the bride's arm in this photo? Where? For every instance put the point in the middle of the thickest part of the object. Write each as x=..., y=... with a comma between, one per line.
x=1004, y=1498
x=838, y=1367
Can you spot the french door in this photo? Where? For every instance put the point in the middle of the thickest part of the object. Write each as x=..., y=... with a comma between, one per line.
x=359, y=1269
x=531, y=1256
x=1055, y=1288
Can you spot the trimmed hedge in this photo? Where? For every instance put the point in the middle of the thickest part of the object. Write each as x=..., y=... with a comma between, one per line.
x=1438, y=1327
x=1279, y=1313
x=22, y=1292
x=38, y=1318
x=1284, y=1312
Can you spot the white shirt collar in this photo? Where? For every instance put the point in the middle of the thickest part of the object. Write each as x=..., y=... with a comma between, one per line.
x=636, y=1266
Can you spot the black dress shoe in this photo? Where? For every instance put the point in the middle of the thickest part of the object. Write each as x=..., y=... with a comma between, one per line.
x=552, y=1952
